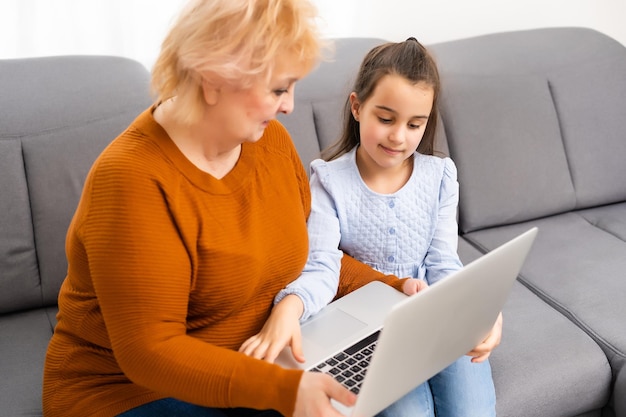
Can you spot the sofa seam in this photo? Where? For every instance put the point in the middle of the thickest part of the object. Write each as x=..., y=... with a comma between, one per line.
x=558, y=307
x=315, y=127
x=32, y=223
x=571, y=317
x=563, y=142
x=39, y=133
x=605, y=230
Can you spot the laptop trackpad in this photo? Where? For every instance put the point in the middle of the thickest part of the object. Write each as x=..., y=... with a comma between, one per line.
x=330, y=327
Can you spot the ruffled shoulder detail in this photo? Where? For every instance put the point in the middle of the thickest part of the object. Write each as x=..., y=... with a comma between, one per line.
x=449, y=170
x=337, y=167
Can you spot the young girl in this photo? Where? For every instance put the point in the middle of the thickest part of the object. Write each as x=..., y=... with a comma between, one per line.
x=382, y=197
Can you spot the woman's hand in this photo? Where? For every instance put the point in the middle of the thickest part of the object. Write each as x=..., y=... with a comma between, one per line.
x=315, y=392
x=481, y=352
x=282, y=328
x=413, y=285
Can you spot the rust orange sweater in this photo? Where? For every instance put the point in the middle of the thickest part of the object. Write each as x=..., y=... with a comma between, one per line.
x=170, y=270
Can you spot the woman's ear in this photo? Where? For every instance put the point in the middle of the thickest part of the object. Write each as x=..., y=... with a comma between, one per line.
x=210, y=91
x=355, y=106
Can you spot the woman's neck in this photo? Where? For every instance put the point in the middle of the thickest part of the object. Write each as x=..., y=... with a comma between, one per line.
x=196, y=142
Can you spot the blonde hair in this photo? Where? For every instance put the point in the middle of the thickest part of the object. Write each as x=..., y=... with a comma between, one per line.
x=233, y=42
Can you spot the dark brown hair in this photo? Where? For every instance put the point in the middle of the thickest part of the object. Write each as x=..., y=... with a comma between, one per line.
x=409, y=59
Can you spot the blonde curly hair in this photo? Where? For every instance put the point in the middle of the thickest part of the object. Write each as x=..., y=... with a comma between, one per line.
x=233, y=42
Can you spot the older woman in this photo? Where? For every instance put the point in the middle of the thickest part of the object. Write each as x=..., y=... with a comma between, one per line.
x=189, y=224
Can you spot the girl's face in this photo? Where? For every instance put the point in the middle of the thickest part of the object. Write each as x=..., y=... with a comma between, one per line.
x=392, y=121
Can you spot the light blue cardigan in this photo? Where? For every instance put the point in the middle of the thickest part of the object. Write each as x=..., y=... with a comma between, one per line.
x=410, y=233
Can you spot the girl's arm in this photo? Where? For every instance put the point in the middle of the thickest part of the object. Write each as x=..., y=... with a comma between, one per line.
x=317, y=285
x=442, y=258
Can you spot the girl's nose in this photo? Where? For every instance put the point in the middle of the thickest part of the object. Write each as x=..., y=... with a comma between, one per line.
x=397, y=135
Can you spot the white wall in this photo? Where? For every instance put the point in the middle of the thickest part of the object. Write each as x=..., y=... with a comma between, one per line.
x=432, y=21
x=135, y=28
x=132, y=28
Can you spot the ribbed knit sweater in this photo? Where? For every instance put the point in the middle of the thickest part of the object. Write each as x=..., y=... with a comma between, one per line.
x=170, y=270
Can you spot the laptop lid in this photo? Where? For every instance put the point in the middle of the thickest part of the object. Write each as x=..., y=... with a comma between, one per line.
x=422, y=334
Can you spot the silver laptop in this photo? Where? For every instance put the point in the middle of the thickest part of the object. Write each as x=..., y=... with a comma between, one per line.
x=376, y=328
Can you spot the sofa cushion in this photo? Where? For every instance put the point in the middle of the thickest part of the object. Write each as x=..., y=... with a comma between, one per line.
x=539, y=346
x=329, y=119
x=577, y=262
x=505, y=124
x=21, y=363
x=58, y=115
x=534, y=360
x=50, y=93
x=611, y=219
x=584, y=71
x=313, y=126
x=20, y=286
x=301, y=126
x=590, y=98
x=619, y=403
x=56, y=164
x=578, y=269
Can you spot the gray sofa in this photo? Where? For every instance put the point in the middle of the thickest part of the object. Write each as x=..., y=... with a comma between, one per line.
x=532, y=119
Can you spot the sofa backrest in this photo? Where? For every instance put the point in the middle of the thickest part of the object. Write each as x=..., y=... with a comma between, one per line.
x=534, y=122
x=56, y=116
x=531, y=118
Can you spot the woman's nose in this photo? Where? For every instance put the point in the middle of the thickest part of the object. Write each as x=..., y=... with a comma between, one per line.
x=287, y=102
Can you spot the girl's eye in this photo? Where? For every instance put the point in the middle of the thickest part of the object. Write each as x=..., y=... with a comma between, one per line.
x=383, y=120
x=281, y=91
x=414, y=126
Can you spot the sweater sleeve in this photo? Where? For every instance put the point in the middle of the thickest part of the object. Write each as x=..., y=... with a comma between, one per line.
x=141, y=274
x=355, y=274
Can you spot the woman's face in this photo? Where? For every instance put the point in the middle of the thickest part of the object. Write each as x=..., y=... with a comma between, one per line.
x=243, y=114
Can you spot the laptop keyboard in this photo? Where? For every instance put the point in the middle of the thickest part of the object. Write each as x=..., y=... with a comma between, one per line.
x=349, y=367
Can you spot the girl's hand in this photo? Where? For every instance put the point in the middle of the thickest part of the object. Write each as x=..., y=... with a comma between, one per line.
x=282, y=328
x=315, y=392
x=412, y=286
x=481, y=352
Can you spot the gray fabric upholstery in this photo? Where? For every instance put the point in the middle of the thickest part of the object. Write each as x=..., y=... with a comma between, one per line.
x=56, y=115
x=543, y=109
x=583, y=73
x=535, y=357
x=583, y=276
x=23, y=342
x=18, y=261
x=532, y=119
x=489, y=119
